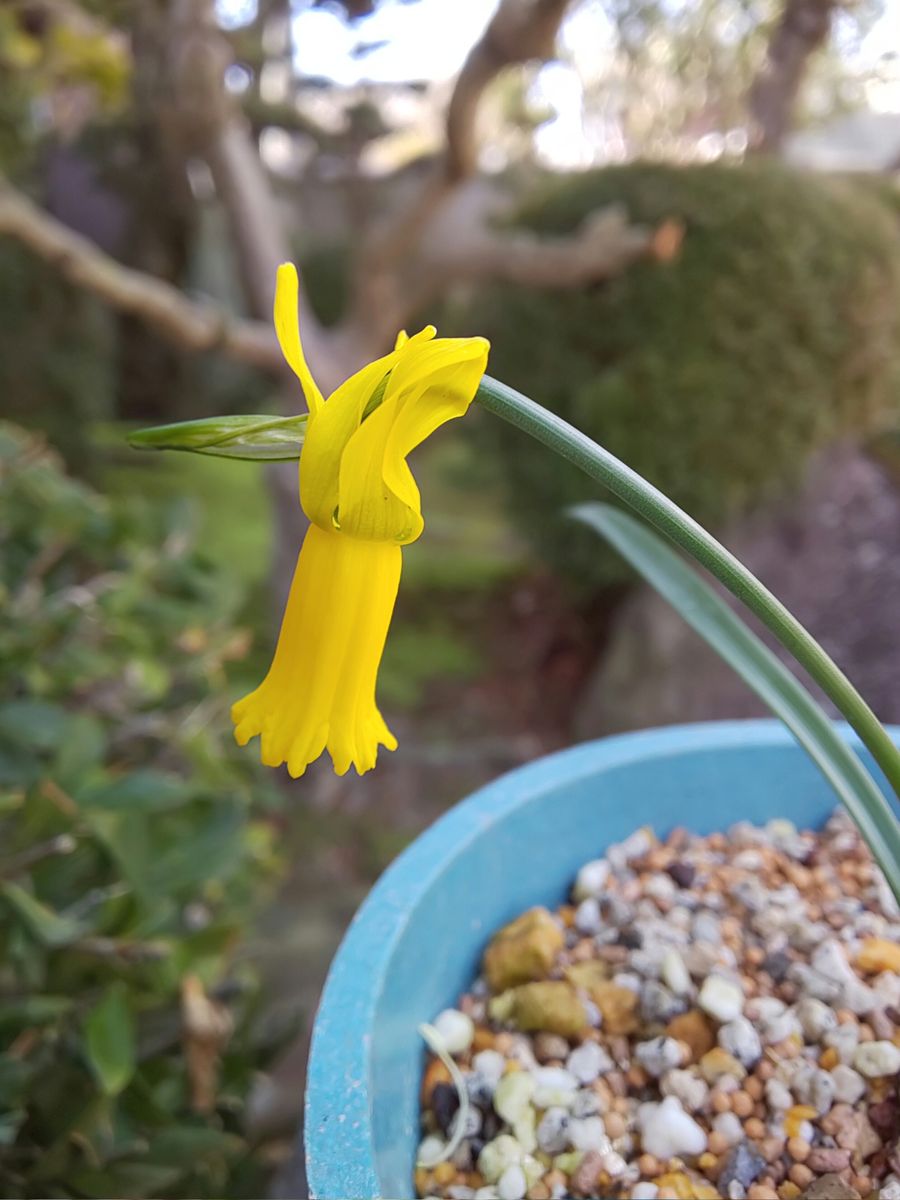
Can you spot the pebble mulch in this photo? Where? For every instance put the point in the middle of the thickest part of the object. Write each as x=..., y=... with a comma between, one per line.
x=709, y=1017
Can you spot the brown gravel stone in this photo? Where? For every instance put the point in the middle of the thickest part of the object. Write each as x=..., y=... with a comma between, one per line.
x=523, y=950
x=823, y=1160
x=549, y=1047
x=587, y=1174
x=696, y=1030
x=618, y=1007
x=830, y=1187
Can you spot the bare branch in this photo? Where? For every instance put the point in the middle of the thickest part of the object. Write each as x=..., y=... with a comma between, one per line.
x=191, y=325
x=520, y=31
x=603, y=246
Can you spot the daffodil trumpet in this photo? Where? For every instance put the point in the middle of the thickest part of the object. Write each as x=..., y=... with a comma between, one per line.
x=363, y=505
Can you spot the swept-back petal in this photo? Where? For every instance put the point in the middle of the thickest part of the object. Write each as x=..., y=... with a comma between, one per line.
x=328, y=436
x=430, y=384
x=287, y=328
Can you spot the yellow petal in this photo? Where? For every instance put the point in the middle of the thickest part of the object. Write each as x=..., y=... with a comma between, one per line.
x=431, y=383
x=320, y=690
x=287, y=327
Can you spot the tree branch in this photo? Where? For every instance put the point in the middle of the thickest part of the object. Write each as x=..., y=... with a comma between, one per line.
x=602, y=246
x=191, y=325
x=519, y=31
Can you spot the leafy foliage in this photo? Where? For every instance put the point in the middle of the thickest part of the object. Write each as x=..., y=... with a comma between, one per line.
x=130, y=858
x=774, y=331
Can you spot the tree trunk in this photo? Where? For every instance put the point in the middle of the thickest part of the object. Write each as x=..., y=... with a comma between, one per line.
x=803, y=28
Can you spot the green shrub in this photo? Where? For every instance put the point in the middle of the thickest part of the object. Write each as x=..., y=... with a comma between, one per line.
x=774, y=331
x=130, y=861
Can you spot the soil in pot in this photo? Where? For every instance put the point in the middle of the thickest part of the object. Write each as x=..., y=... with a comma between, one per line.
x=708, y=1016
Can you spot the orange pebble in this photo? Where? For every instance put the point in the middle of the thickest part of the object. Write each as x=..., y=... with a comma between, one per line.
x=798, y=1148
x=444, y=1173
x=742, y=1104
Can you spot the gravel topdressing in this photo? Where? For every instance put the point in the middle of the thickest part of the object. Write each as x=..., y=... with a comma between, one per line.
x=709, y=1016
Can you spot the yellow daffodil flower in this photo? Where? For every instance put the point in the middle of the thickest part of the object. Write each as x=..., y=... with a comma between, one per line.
x=363, y=505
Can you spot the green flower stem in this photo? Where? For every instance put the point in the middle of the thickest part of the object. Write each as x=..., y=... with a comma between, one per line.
x=669, y=519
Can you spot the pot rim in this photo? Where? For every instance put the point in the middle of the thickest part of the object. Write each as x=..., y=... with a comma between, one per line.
x=343, y=1147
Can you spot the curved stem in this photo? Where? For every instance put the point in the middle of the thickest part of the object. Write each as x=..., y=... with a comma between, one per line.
x=657, y=509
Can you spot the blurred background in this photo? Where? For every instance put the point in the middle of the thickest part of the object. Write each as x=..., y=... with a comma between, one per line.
x=677, y=220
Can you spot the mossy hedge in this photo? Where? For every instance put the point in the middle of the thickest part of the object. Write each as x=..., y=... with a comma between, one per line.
x=774, y=331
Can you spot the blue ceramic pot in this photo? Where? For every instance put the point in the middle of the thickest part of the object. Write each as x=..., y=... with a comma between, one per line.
x=416, y=942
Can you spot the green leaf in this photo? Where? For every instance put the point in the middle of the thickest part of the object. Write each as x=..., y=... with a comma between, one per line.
x=30, y=1011
x=109, y=1040
x=186, y=1145
x=257, y=438
x=33, y=723
x=43, y=923
x=707, y=613
x=134, y=1179
x=142, y=790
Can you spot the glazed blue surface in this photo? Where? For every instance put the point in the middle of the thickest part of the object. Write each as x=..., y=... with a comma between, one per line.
x=416, y=942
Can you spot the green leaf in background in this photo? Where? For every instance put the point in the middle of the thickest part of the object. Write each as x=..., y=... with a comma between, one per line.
x=718, y=624
x=43, y=923
x=257, y=438
x=16, y=1015
x=109, y=1040
x=145, y=789
x=33, y=723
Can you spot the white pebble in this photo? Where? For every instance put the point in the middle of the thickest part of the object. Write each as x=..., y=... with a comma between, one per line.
x=730, y=1127
x=512, y=1184
x=849, y=1085
x=740, y=1039
x=844, y=1040
x=587, y=916
x=890, y=1189
x=588, y=1134
x=586, y=1103
x=816, y=1018
x=504, y=1151
x=875, y=1059
x=778, y=1096
x=675, y=974
x=430, y=1149
x=456, y=1029
x=591, y=879
x=553, y=1086
x=659, y=1055
x=690, y=1089
x=644, y=1191
x=553, y=1131
x=588, y=1061
x=667, y=1131
x=490, y=1064
x=513, y=1096
x=721, y=998
x=487, y=1193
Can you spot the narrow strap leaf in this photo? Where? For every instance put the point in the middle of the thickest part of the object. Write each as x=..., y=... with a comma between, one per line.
x=662, y=513
x=724, y=630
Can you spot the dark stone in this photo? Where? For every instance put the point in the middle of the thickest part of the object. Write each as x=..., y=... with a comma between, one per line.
x=885, y=1118
x=776, y=966
x=743, y=1164
x=631, y=939
x=444, y=1103
x=490, y=1126
x=683, y=873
